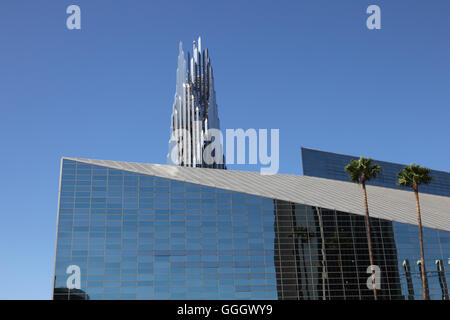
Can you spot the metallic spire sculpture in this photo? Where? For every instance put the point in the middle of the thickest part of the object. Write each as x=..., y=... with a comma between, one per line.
x=194, y=111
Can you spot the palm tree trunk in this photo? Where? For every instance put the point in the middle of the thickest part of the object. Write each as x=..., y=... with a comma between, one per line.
x=369, y=240
x=422, y=255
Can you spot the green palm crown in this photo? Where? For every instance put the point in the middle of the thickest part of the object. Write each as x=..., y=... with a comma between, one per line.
x=362, y=170
x=413, y=176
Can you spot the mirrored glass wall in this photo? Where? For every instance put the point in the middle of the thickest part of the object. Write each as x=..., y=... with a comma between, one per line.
x=134, y=236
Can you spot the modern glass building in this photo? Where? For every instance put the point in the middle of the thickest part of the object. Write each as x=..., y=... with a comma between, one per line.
x=330, y=165
x=143, y=231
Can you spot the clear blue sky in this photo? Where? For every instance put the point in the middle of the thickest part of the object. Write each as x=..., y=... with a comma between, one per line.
x=310, y=68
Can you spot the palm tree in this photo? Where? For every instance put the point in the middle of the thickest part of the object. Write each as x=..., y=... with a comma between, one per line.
x=362, y=171
x=413, y=176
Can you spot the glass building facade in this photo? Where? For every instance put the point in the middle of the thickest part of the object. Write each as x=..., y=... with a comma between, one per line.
x=138, y=236
x=330, y=165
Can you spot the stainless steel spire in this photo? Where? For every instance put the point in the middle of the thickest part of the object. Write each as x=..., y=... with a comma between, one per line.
x=194, y=110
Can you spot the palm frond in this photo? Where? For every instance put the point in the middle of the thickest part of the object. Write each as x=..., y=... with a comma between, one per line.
x=414, y=175
x=357, y=169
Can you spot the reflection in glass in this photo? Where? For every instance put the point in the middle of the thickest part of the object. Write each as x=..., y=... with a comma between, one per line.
x=409, y=283
x=136, y=236
x=69, y=294
x=427, y=288
x=442, y=279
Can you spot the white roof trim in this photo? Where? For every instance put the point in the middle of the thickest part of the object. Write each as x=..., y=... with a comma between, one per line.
x=385, y=203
